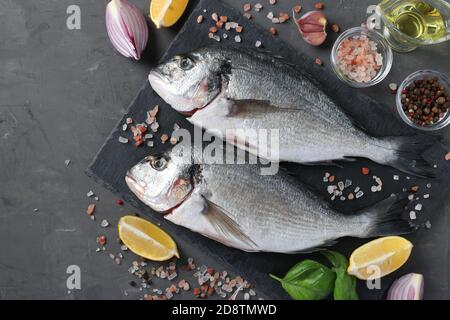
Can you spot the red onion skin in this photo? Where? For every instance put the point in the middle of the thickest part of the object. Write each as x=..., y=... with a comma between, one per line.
x=127, y=28
x=408, y=287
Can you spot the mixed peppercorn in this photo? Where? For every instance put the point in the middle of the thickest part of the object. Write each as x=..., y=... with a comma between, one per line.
x=425, y=101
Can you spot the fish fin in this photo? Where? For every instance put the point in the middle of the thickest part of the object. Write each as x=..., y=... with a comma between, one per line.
x=225, y=225
x=408, y=155
x=386, y=217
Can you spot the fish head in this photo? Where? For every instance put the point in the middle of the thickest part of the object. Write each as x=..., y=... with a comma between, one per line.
x=162, y=182
x=190, y=82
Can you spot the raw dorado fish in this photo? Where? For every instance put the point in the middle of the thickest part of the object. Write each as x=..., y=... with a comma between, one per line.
x=235, y=205
x=226, y=90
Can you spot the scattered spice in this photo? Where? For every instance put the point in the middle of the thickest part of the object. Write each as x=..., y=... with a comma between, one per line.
x=214, y=37
x=425, y=101
x=335, y=28
x=258, y=7
x=247, y=7
x=319, y=6
x=273, y=2
x=447, y=156
x=297, y=9
x=90, y=209
x=365, y=171
x=104, y=223
x=215, y=17
x=200, y=19
x=213, y=29
x=238, y=39
x=123, y=140
x=393, y=87
x=273, y=31
x=101, y=240
x=239, y=29
x=318, y=61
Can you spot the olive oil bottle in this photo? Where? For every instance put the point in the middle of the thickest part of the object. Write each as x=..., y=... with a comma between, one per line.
x=415, y=22
x=418, y=19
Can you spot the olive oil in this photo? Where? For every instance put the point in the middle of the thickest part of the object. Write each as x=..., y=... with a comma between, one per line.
x=416, y=19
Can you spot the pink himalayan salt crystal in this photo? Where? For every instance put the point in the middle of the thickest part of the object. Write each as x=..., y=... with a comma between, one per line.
x=358, y=59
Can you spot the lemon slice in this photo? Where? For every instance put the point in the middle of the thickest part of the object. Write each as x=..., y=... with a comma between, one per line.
x=165, y=13
x=379, y=257
x=146, y=240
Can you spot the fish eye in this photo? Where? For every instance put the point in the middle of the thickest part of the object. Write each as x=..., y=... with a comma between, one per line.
x=185, y=63
x=158, y=163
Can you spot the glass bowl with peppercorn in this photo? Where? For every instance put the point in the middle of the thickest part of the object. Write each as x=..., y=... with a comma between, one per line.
x=361, y=57
x=423, y=100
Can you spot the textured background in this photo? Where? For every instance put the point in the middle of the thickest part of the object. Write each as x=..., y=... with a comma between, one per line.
x=61, y=92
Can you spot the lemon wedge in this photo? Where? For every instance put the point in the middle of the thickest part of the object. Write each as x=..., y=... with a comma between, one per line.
x=165, y=13
x=379, y=257
x=146, y=240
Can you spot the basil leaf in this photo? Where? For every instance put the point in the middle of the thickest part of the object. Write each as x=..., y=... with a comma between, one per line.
x=345, y=284
x=336, y=259
x=308, y=280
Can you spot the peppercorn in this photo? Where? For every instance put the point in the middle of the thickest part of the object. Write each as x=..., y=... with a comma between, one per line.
x=425, y=101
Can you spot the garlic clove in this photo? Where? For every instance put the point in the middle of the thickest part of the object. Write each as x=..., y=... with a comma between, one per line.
x=312, y=27
x=127, y=28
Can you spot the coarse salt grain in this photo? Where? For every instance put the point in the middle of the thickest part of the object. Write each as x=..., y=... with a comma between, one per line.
x=358, y=59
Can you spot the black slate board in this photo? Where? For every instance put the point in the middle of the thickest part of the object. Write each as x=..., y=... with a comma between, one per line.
x=114, y=159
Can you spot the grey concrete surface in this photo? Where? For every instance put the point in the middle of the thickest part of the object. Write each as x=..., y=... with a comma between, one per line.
x=61, y=92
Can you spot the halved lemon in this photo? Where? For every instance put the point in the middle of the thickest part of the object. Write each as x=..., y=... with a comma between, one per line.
x=379, y=257
x=165, y=13
x=146, y=240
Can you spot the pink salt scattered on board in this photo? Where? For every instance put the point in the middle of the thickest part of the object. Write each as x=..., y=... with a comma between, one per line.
x=358, y=58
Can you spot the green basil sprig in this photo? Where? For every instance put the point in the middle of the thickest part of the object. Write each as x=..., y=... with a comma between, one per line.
x=311, y=280
x=345, y=284
x=308, y=280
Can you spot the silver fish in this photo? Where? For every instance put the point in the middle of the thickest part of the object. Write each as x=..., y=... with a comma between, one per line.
x=235, y=205
x=231, y=92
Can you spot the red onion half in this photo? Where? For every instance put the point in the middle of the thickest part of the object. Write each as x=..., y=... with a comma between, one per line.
x=127, y=28
x=408, y=287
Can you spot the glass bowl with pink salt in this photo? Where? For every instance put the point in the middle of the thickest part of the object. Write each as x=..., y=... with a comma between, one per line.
x=361, y=57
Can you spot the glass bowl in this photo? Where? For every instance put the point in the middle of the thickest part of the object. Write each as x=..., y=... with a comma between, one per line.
x=418, y=75
x=382, y=47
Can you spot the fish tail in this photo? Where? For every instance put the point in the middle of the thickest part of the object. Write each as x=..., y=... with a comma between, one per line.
x=405, y=154
x=385, y=218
